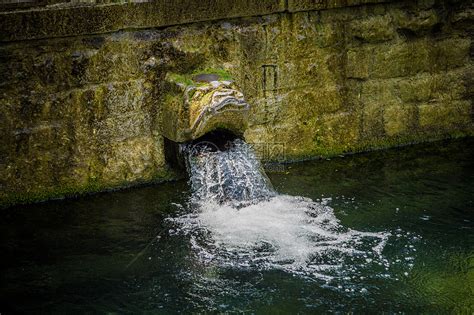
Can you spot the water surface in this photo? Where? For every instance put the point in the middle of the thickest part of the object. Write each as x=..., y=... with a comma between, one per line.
x=125, y=252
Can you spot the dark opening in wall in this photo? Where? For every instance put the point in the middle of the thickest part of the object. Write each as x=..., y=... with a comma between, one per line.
x=173, y=156
x=215, y=140
x=218, y=139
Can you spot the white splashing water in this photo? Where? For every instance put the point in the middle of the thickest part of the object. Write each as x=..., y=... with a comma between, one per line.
x=240, y=221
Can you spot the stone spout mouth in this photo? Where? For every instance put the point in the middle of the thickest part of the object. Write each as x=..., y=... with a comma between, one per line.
x=222, y=101
x=205, y=107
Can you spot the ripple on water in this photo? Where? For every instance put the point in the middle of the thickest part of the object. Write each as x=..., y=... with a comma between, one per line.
x=295, y=235
x=261, y=229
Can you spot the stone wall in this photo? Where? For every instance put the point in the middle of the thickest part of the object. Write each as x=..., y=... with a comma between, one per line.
x=83, y=88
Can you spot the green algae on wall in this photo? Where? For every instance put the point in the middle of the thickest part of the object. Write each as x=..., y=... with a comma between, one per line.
x=80, y=116
x=85, y=113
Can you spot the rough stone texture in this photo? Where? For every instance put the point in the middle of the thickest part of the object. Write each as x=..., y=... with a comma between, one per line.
x=86, y=113
x=78, y=115
x=57, y=21
x=206, y=106
x=306, y=5
x=377, y=28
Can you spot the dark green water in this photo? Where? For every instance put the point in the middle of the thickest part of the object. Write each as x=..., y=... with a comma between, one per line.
x=114, y=253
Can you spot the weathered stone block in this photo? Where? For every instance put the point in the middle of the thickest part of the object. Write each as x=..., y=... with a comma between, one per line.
x=417, y=22
x=399, y=119
x=373, y=29
x=280, y=141
x=66, y=138
x=358, y=61
x=401, y=59
x=315, y=70
x=463, y=18
x=114, y=61
x=324, y=99
x=135, y=159
x=295, y=5
x=77, y=64
x=323, y=135
x=383, y=92
x=417, y=88
x=442, y=117
x=372, y=126
x=438, y=87
x=336, y=133
x=451, y=53
x=123, y=97
x=68, y=21
x=306, y=32
x=353, y=94
x=304, y=5
x=451, y=85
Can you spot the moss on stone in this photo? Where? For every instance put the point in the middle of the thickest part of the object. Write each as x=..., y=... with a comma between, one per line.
x=186, y=79
x=305, y=5
x=381, y=144
x=399, y=119
x=89, y=113
x=181, y=79
x=418, y=22
x=92, y=186
x=223, y=74
x=373, y=29
x=440, y=117
x=92, y=19
x=357, y=63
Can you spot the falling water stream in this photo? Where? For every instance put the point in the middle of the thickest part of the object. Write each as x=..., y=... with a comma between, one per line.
x=238, y=220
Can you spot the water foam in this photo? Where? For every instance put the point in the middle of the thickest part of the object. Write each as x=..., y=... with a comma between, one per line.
x=238, y=220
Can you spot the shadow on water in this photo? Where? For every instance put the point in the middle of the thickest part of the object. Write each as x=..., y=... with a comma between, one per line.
x=115, y=252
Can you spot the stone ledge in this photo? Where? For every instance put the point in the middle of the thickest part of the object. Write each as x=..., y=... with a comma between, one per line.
x=308, y=5
x=72, y=21
x=61, y=21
